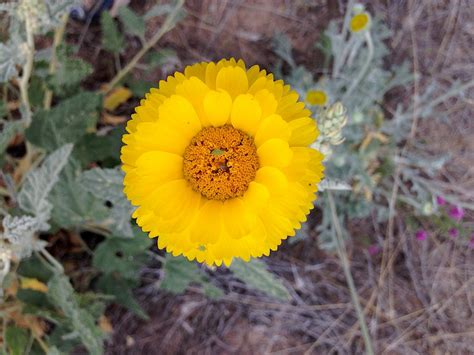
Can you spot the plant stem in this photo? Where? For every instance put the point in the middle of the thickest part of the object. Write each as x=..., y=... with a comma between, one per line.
x=365, y=68
x=347, y=272
x=57, y=266
x=167, y=25
x=25, y=76
x=58, y=37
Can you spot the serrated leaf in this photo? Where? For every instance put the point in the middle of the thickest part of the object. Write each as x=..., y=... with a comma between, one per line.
x=112, y=39
x=72, y=204
x=55, y=10
x=95, y=148
x=8, y=7
x=133, y=23
x=32, y=297
x=161, y=57
x=62, y=295
x=20, y=232
x=122, y=256
x=9, y=129
x=36, y=90
x=70, y=71
x=139, y=87
x=121, y=289
x=10, y=57
x=34, y=268
x=66, y=122
x=17, y=339
x=180, y=272
x=255, y=274
x=107, y=184
x=33, y=197
x=282, y=47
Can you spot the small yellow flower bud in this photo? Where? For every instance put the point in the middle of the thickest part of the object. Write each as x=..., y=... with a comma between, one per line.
x=360, y=22
x=316, y=97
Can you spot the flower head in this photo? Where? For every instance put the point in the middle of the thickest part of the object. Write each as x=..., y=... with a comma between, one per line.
x=360, y=22
x=373, y=249
x=456, y=213
x=316, y=97
x=217, y=159
x=421, y=234
x=440, y=200
x=453, y=232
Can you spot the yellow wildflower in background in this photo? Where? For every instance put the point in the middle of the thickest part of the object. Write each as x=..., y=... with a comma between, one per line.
x=316, y=97
x=218, y=162
x=360, y=22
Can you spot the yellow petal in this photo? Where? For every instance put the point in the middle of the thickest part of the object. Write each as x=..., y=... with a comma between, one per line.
x=256, y=196
x=153, y=169
x=194, y=90
x=238, y=218
x=207, y=227
x=233, y=80
x=303, y=132
x=170, y=199
x=272, y=127
x=267, y=102
x=217, y=106
x=273, y=179
x=275, y=152
x=246, y=114
x=180, y=114
x=197, y=70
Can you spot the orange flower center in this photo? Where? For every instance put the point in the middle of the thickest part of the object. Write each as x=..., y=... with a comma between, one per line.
x=220, y=162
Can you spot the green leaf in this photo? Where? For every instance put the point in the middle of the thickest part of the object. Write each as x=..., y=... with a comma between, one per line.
x=17, y=340
x=70, y=71
x=122, y=256
x=10, y=56
x=139, y=87
x=93, y=148
x=180, y=272
x=282, y=47
x=256, y=275
x=33, y=197
x=161, y=57
x=112, y=39
x=33, y=268
x=72, y=204
x=113, y=284
x=9, y=130
x=66, y=122
x=133, y=23
x=34, y=298
x=61, y=293
x=107, y=184
x=36, y=91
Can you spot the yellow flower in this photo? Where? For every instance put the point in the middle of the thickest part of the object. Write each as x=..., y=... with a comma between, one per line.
x=360, y=22
x=316, y=97
x=218, y=162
